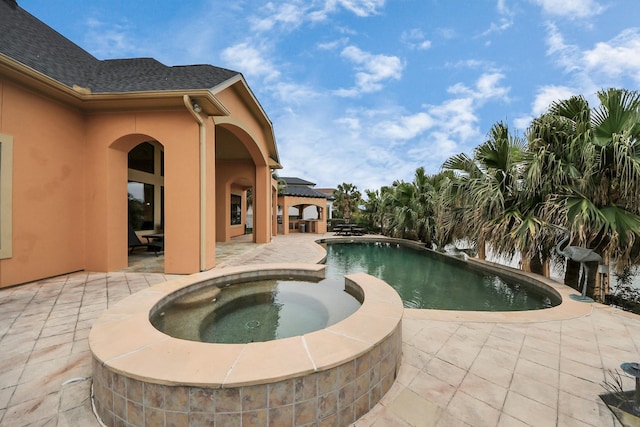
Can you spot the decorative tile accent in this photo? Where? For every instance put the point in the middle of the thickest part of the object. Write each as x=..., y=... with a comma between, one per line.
x=134, y=390
x=228, y=400
x=201, y=400
x=254, y=397
x=153, y=395
x=176, y=399
x=281, y=394
x=335, y=397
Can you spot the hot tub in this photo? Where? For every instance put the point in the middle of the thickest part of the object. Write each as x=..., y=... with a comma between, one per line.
x=257, y=310
x=142, y=376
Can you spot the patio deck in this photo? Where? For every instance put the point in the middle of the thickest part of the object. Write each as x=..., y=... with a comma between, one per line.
x=456, y=372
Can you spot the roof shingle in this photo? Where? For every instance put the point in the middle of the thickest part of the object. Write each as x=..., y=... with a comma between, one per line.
x=31, y=42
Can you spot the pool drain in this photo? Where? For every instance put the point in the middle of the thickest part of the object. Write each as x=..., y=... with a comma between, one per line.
x=252, y=324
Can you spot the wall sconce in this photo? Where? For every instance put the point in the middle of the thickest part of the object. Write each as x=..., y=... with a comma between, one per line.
x=196, y=107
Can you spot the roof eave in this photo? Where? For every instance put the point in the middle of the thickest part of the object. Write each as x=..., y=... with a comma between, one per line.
x=83, y=99
x=240, y=84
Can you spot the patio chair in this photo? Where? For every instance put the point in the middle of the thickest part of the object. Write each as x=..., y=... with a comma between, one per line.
x=134, y=242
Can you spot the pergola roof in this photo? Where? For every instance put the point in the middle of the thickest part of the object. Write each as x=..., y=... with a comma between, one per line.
x=301, y=191
x=290, y=180
x=299, y=187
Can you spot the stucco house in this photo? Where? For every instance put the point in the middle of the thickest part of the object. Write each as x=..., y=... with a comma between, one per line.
x=329, y=192
x=301, y=208
x=81, y=138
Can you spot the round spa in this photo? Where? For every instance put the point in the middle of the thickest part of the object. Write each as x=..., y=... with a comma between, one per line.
x=254, y=311
x=332, y=376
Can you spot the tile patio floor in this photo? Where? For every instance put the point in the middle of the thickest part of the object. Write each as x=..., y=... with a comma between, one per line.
x=454, y=373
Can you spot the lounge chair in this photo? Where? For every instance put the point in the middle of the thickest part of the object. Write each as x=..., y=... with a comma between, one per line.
x=134, y=242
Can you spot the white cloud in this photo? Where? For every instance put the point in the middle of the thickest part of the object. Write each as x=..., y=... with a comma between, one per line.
x=293, y=93
x=332, y=44
x=447, y=33
x=522, y=123
x=404, y=127
x=109, y=40
x=360, y=8
x=486, y=87
x=618, y=57
x=360, y=141
x=371, y=69
x=434, y=150
x=567, y=56
x=613, y=63
x=251, y=60
x=570, y=8
x=503, y=24
x=289, y=15
x=549, y=94
x=545, y=96
x=505, y=19
x=415, y=39
x=502, y=7
x=457, y=118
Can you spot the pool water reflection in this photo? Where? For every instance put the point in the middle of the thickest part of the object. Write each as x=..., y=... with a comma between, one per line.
x=426, y=280
x=255, y=311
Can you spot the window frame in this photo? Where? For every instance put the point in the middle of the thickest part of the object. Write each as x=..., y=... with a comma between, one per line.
x=237, y=214
x=157, y=180
x=6, y=196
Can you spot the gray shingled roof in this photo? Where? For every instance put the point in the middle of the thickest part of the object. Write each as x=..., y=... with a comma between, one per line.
x=31, y=42
x=300, y=188
x=147, y=74
x=290, y=180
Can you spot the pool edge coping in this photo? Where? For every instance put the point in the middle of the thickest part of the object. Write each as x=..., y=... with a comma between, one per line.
x=567, y=309
x=124, y=340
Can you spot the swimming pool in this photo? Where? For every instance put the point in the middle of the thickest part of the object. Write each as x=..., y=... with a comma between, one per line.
x=425, y=279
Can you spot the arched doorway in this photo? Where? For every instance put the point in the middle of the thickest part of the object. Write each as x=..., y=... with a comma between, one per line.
x=145, y=199
x=241, y=170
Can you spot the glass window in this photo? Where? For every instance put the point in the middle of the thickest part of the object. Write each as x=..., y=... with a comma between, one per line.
x=146, y=186
x=6, y=191
x=141, y=158
x=141, y=205
x=236, y=209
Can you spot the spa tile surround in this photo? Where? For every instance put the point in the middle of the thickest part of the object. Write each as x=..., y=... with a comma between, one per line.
x=329, y=377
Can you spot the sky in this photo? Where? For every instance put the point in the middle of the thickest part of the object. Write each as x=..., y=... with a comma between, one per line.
x=366, y=91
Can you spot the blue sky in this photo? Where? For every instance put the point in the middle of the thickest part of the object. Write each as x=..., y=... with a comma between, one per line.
x=366, y=91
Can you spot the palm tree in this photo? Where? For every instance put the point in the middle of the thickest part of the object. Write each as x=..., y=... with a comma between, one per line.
x=410, y=207
x=376, y=209
x=404, y=218
x=584, y=164
x=348, y=199
x=485, y=196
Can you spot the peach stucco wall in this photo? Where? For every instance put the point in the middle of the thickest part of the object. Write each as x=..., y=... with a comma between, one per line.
x=48, y=186
x=70, y=184
x=115, y=135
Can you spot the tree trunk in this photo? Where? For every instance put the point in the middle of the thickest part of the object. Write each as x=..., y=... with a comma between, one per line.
x=591, y=281
x=536, y=266
x=482, y=252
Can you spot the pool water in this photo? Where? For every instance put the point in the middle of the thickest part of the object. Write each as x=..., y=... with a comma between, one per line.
x=256, y=311
x=426, y=280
